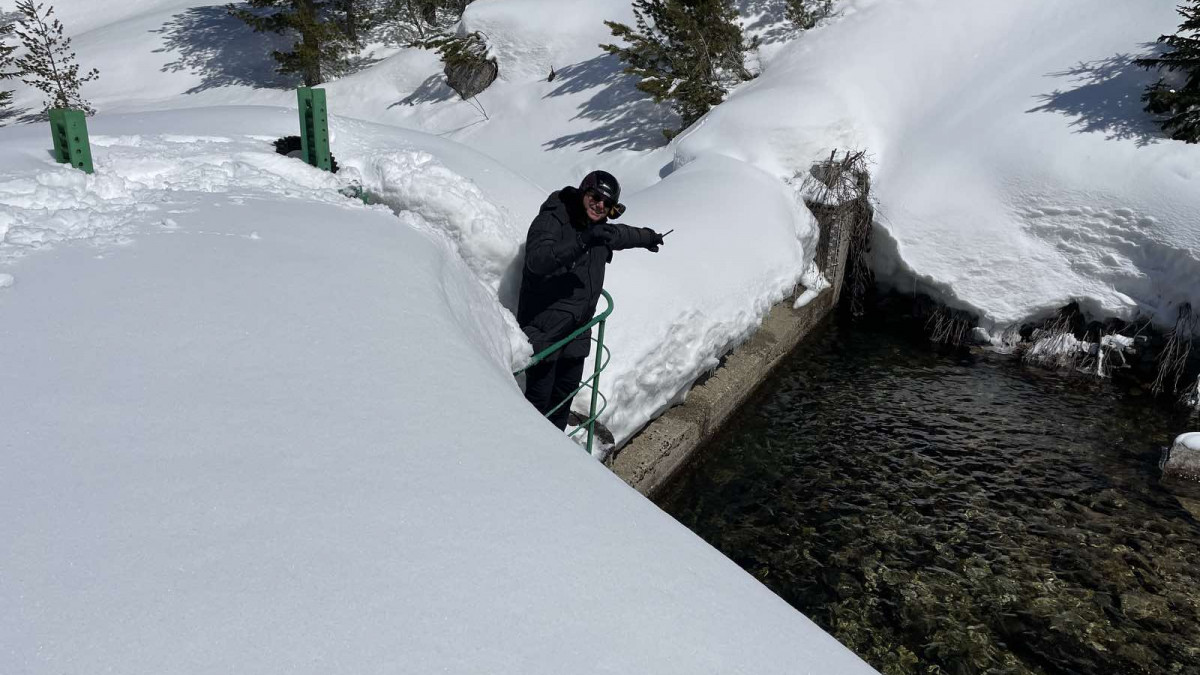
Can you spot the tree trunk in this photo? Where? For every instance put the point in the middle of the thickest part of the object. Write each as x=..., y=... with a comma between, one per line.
x=350, y=10
x=429, y=12
x=310, y=43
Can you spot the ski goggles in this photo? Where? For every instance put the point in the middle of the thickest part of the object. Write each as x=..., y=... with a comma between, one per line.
x=608, y=202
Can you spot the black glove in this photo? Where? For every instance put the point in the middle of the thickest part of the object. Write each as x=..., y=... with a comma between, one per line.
x=600, y=234
x=652, y=240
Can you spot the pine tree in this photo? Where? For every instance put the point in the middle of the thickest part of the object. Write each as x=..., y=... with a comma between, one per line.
x=413, y=22
x=6, y=66
x=688, y=52
x=351, y=16
x=321, y=47
x=48, y=64
x=1179, y=103
x=806, y=13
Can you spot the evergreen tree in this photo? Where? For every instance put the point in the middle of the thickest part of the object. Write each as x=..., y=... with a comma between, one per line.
x=6, y=66
x=1179, y=103
x=48, y=64
x=688, y=52
x=321, y=45
x=351, y=16
x=806, y=13
x=413, y=22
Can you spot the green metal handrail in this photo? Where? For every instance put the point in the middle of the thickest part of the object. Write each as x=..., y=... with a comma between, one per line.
x=603, y=356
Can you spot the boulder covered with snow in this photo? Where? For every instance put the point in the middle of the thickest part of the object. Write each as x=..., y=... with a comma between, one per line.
x=1184, y=458
x=469, y=70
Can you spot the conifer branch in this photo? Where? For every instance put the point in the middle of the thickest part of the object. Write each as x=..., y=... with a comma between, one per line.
x=48, y=63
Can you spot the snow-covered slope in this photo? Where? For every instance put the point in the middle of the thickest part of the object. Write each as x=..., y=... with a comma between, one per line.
x=1015, y=167
x=760, y=237
x=252, y=425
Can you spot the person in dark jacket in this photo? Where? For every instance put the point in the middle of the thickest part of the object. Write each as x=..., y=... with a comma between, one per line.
x=569, y=243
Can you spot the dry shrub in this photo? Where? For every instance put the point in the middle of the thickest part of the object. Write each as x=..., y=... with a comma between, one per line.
x=1173, y=359
x=841, y=188
x=949, y=327
x=1054, y=345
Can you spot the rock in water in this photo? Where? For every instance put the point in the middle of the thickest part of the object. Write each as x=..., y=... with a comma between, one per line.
x=1184, y=459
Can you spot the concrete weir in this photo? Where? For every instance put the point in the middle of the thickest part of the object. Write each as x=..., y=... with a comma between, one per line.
x=656, y=455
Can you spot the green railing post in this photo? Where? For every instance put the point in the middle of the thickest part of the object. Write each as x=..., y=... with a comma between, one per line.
x=591, y=425
x=68, y=128
x=314, y=127
x=602, y=358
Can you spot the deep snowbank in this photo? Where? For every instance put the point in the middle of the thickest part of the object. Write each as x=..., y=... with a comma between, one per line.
x=740, y=244
x=254, y=425
x=589, y=116
x=1016, y=170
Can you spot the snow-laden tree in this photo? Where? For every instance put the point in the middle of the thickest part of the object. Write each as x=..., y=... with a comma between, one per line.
x=6, y=66
x=414, y=22
x=354, y=18
x=806, y=13
x=688, y=52
x=48, y=63
x=1176, y=97
x=319, y=29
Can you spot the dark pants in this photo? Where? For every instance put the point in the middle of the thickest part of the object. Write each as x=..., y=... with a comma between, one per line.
x=549, y=382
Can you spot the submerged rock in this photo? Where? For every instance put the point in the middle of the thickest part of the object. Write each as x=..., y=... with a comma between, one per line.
x=1184, y=458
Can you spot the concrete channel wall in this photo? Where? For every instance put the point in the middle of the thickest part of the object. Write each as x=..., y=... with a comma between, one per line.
x=657, y=454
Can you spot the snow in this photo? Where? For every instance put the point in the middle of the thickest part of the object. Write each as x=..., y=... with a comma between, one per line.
x=1014, y=168
x=262, y=426
x=1190, y=441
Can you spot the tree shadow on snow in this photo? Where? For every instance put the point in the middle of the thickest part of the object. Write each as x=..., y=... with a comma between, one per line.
x=12, y=115
x=1107, y=99
x=222, y=49
x=433, y=90
x=768, y=20
x=625, y=117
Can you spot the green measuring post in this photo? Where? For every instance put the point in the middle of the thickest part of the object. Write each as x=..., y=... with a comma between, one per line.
x=314, y=127
x=69, y=129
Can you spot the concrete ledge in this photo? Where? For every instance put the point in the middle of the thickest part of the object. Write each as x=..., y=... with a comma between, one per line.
x=655, y=456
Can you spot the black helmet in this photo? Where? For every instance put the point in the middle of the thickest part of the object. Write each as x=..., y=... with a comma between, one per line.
x=604, y=184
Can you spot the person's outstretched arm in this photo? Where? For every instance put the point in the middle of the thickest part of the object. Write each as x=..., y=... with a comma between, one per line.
x=623, y=237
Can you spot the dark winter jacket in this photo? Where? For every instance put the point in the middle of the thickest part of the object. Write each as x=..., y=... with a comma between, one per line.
x=562, y=278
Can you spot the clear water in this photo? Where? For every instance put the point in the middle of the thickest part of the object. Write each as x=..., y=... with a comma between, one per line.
x=957, y=514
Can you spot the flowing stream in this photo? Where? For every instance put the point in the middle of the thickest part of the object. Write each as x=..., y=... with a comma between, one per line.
x=957, y=514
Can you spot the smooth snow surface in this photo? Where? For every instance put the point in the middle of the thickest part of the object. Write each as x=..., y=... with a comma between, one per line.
x=253, y=425
x=1015, y=168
